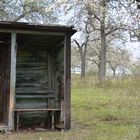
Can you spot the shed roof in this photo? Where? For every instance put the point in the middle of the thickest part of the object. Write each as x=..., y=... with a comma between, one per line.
x=8, y=25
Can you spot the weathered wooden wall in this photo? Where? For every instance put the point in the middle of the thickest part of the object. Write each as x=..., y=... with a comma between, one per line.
x=39, y=81
x=41, y=71
x=4, y=82
x=32, y=82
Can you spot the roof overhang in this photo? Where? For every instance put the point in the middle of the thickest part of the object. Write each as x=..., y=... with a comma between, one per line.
x=20, y=27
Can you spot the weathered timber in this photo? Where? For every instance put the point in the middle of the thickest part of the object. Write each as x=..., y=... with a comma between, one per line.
x=34, y=96
x=12, y=81
x=32, y=71
x=40, y=109
x=4, y=81
x=67, y=81
x=19, y=112
x=35, y=83
x=32, y=32
x=1, y=86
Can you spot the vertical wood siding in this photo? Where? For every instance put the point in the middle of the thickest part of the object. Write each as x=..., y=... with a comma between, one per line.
x=4, y=82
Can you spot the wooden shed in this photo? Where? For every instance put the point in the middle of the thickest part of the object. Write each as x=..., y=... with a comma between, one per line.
x=34, y=76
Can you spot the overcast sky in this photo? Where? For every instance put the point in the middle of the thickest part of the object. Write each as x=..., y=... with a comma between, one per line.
x=134, y=48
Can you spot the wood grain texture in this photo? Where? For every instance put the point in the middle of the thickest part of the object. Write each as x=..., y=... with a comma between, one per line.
x=67, y=82
x=4, y=80
x=12, y=81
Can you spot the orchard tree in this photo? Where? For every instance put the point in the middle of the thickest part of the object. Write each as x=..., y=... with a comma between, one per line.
x=103, y=21
x=119, y=59
x=41, y=11
x=75, y=58
x=82, y=46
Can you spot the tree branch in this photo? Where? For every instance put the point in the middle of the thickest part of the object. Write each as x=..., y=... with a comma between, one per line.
x=92, y=60
x=111, y=31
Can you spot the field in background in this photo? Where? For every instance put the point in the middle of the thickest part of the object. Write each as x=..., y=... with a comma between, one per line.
x=111, y=112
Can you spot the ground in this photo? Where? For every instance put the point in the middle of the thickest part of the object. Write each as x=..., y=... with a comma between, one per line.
x=111, y=112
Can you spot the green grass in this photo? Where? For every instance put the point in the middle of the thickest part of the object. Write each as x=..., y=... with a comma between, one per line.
x=108, y=113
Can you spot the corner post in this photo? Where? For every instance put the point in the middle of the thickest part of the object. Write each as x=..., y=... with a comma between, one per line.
x=67, y=82
x=12, y=81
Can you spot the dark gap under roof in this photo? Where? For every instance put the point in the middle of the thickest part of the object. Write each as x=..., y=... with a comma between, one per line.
x=39, y=40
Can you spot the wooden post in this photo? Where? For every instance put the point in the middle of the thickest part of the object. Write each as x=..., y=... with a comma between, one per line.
x=67, y=81
x=52, y=120
x=49, y=73
x=12, y=81
x=17, y=121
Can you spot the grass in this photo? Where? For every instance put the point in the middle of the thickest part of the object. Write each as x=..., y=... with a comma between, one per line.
x=108, y=113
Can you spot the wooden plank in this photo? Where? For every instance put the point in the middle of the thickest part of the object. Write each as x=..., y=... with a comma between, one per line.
x=12, y=81
x=17, y=122
x=53, y=74
x=52, y=120
x=36, y=109
x=4, y=81
x=62, y=112
x=1, y=83
x=3, y=127
x=32, y=32
x=43, y=92
x=67, y=81
x=49, y=73
x=21, y=91
x=32, y=70
x=34, y=96
x=34, y=103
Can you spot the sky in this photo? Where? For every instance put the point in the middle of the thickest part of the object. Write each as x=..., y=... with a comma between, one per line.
x=134, y=48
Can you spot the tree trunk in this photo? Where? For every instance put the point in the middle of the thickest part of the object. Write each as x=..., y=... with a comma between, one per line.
x=123, y=72
x=82, y=69
x=83, y=64
x=102, y=63
x=83, y=51
x=114, y=72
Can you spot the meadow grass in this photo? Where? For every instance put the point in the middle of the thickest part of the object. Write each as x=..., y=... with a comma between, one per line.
x=111, y=112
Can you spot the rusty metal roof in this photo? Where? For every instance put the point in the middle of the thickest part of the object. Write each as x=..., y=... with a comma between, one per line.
x=32, y=27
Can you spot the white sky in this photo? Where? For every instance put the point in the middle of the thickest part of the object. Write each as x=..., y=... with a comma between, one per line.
x=134, y=48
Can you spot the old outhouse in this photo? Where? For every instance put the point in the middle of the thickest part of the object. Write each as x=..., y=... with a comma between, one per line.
x=34, y=76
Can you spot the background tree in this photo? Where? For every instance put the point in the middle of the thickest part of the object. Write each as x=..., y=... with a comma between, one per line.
x=104, y=24
x=82, y=48
x=75, y=59
x=99, y=24
x=118, y=59
x=42, y=11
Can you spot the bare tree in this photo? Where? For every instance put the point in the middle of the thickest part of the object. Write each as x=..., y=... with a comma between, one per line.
x=82, y=49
